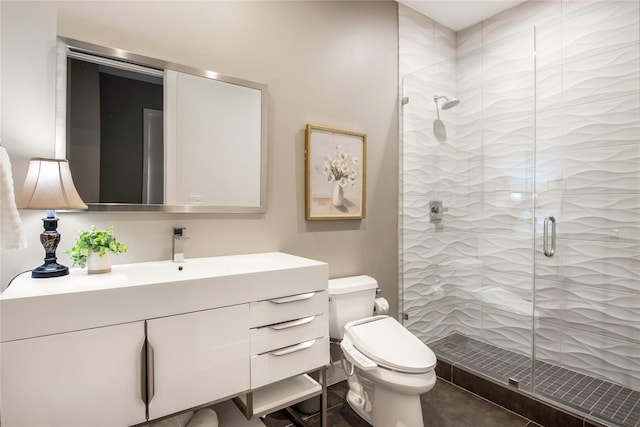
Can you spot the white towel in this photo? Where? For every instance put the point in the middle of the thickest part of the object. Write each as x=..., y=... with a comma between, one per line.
x=11, y=232
x=206, y=417
x=180, y=420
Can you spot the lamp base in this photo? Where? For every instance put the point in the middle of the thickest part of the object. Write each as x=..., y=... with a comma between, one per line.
x=52, y=269
x=50, y=239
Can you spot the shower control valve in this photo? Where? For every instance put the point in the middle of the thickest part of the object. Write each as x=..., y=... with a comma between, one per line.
x=436, y=210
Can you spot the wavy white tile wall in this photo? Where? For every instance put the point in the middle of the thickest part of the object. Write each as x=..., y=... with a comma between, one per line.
x=475, y=274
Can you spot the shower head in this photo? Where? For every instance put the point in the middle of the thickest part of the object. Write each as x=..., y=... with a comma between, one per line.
x=448, y=103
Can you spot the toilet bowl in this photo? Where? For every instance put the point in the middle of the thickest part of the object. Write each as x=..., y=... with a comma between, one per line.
x=388, y=368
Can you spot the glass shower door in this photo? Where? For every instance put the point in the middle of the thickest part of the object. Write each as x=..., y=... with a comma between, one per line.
x=587, y=291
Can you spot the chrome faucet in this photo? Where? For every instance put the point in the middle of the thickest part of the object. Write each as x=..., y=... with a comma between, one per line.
x=177, y=246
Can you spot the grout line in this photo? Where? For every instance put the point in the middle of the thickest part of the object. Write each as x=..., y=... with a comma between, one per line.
x=631, y=412
x=621, y=406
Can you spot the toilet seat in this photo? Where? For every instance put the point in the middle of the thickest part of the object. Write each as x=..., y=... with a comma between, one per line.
x=389, y=344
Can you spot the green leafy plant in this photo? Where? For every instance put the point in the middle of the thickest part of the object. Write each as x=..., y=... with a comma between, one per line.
x=94, y=240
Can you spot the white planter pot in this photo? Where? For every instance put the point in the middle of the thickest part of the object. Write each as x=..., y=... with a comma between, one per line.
x=97, y=264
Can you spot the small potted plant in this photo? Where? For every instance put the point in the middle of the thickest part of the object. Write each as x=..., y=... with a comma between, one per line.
x=94, y=248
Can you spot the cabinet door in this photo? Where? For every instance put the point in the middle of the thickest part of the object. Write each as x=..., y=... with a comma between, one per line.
x=198, y=358
x=84, y=378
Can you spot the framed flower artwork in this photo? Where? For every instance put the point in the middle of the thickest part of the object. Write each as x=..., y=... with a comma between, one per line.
x=335, y=173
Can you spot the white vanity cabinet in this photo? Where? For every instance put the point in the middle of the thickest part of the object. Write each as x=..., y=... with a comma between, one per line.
x=196, y=358
x=57, y=380
x=106, y=376
x=151, y=339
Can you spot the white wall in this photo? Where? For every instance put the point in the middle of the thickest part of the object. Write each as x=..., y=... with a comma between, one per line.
x=326, y=63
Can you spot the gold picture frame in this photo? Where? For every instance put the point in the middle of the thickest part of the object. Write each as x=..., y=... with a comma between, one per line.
x=336, y=171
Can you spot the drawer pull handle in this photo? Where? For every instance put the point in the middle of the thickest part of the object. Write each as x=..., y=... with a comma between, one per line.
x=294, y=348
x=293, y=298
x=293, y=323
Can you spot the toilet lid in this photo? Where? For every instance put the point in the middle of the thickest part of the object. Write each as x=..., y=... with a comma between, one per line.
x=384, y=340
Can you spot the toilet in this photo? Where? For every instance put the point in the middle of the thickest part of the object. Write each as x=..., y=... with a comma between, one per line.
x=388, y=367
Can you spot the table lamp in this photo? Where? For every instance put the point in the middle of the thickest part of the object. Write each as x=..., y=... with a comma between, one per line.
x=49, y=186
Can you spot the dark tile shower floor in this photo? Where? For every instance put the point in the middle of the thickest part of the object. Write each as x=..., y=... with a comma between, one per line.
x=613, y=403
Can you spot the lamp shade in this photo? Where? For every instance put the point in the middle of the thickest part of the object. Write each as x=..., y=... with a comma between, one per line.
x=49, y=186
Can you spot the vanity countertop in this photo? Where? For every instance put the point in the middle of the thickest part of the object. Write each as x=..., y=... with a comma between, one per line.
x=131, y=292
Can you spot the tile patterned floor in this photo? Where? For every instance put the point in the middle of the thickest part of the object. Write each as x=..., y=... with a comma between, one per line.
x=445, y=406
x=610, y=402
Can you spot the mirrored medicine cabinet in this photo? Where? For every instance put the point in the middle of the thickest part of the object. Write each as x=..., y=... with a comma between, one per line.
x=143, y=134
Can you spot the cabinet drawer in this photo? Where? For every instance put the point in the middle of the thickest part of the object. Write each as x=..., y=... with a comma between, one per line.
x=285, y=334
x=288, y=308
x=289, y=361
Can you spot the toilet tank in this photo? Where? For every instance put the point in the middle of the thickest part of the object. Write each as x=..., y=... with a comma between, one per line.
x=350, y=298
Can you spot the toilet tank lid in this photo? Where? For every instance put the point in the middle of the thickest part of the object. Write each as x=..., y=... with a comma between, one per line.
x=351, y=284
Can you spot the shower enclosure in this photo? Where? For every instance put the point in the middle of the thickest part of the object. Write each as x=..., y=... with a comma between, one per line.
x=520, y=216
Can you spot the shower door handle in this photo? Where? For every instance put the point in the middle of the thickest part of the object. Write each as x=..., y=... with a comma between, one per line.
x=545, y=238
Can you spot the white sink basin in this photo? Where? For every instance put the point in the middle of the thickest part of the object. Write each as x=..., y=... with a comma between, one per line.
x=199, y=268
x=168, y=271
